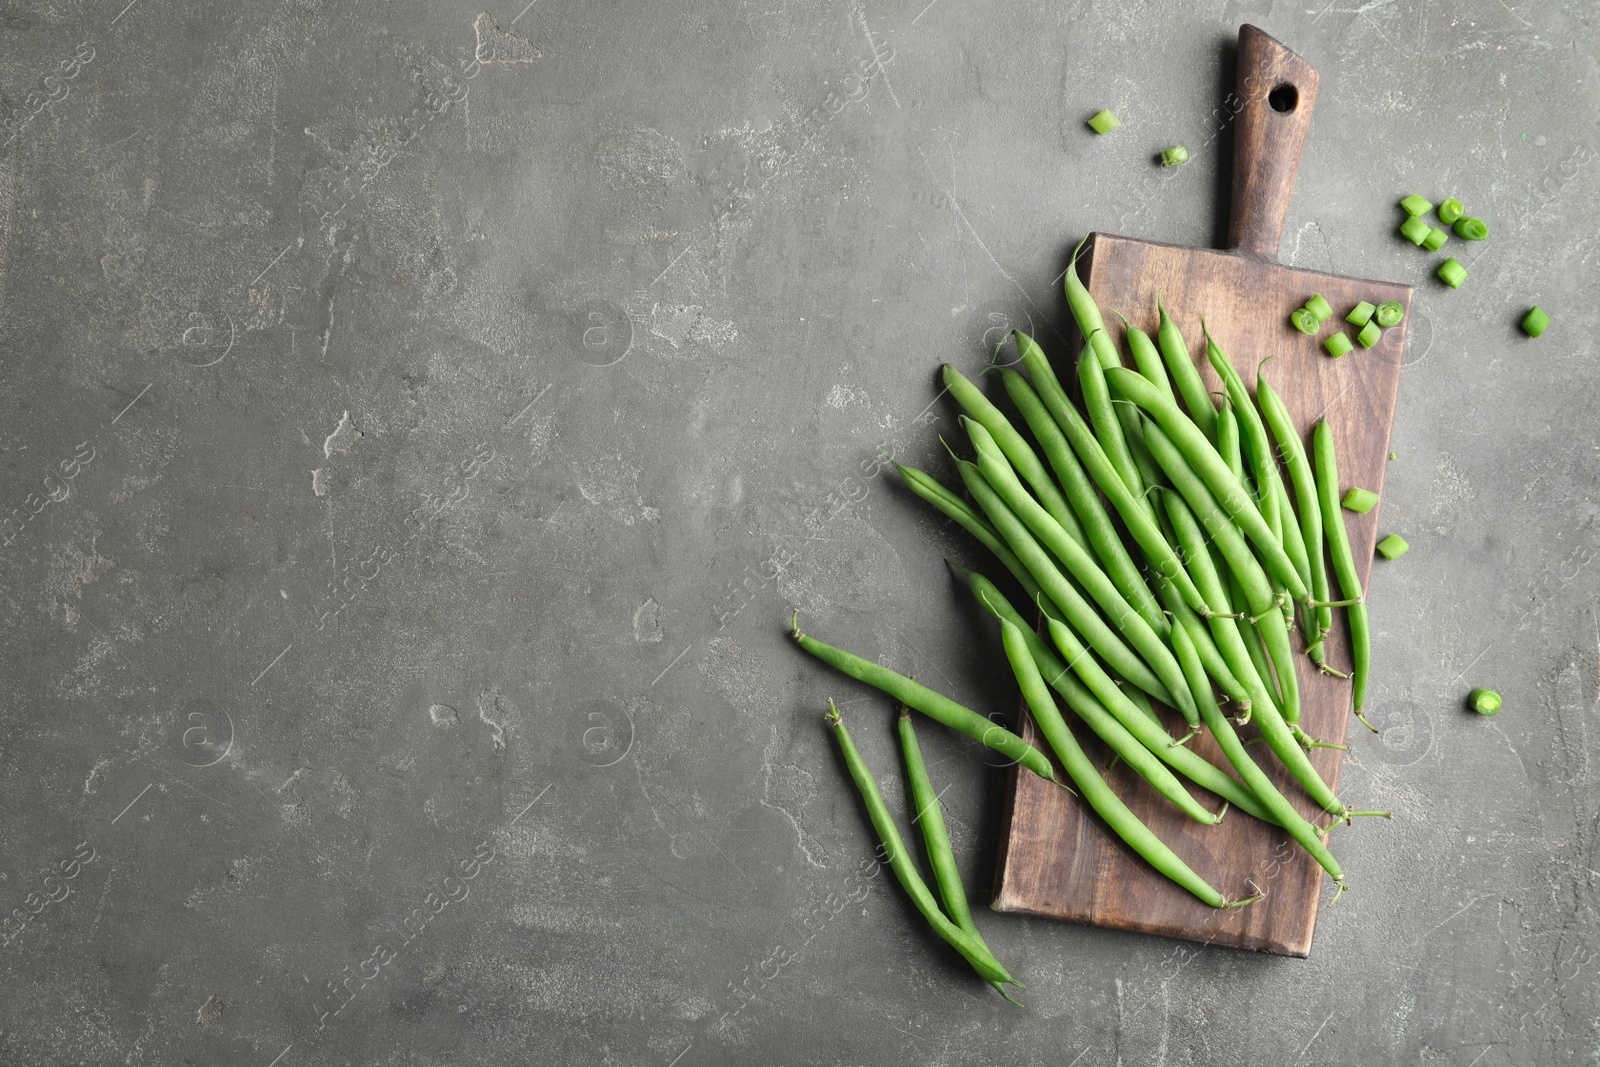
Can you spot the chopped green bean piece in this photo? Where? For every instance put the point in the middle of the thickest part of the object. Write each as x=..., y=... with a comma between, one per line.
x=1534, y=322
x=1104, y=122
x=1393, y=547
x=1305, y=320
x=1450, y=210
x=1174, y=156
x=1414, y=230
x=1452, y=273
x=1471, y=229
x=1360, y=314
x=1369, y=334
x=1319, y=306
x=1338, y=344
x=1389, y=313
x=1435, y=239
x=1416, y=205
x=1484, y=701
x=1360, y=500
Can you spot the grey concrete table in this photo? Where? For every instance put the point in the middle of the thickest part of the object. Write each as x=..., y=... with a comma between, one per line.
x=419, y=421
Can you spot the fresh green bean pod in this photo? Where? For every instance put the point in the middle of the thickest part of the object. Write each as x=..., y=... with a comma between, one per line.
x=1320, y=619
x=1093, y=788
x=1198, y=452
x=1282, y=812
x=1107, y=428
x=973, y=950
x=1016, y=449
x=1146, y=358
x=1080, y=493
x=1344, y=563
x=1184, y=375
x=935, y=706
x=1144, y=640
x=1230, y=643
x=930, y=489
x=935, y=835
x=1157, y=549
x=1101, y=637
x=1086, y=313
x=1147, y=729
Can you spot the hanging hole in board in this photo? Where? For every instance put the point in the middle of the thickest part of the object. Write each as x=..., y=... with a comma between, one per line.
x=1283, y=98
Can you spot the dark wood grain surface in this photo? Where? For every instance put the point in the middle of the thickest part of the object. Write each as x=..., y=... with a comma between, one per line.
x=1057, y=858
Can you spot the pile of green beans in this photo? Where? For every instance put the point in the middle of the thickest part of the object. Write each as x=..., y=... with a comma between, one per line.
x=1173, y=548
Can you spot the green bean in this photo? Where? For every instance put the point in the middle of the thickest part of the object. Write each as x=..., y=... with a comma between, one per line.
x=1290, y=445
x=1229, y=492
x=1185, y=376
x=1094, y=789
x=1146, y=357
x=1269, y=483
x=1145, y=532
x=1232, y=647
x=1080, y=493
x=1107, y=429
x=1100, y=635
x=971, y=949
x=1146, y=728
x=1259, y=593
x=1016, y=448
x=929, y=489
x=1344, y=563
x=934, y=705
x=1086, y=313
x=1282, y=812
x=935, y=836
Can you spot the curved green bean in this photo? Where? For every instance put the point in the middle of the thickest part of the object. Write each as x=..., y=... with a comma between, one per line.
x=1147, y=730
x=931, y=490
x=1344, y=563
x=1101, y=637
x=935, y=706
x=1157, y=550
x=1080, y=493
x=1107, y=426
x=1094, y=789
x=1283, y=813
x=1232, y=648
x=1292, y=448
x=1198, y=452
x=1184, y=375
x=1086, y=313
x=973, y=950
x=1016, y=449
x=1146, y=358
x=1085, y=571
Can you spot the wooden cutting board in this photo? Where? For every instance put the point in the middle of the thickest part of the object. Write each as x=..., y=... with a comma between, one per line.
x=1057, y=858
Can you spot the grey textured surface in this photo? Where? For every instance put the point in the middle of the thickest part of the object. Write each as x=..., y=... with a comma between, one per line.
x=451, y=435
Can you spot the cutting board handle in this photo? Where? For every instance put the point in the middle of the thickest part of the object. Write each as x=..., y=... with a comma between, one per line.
x=1276, y=91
